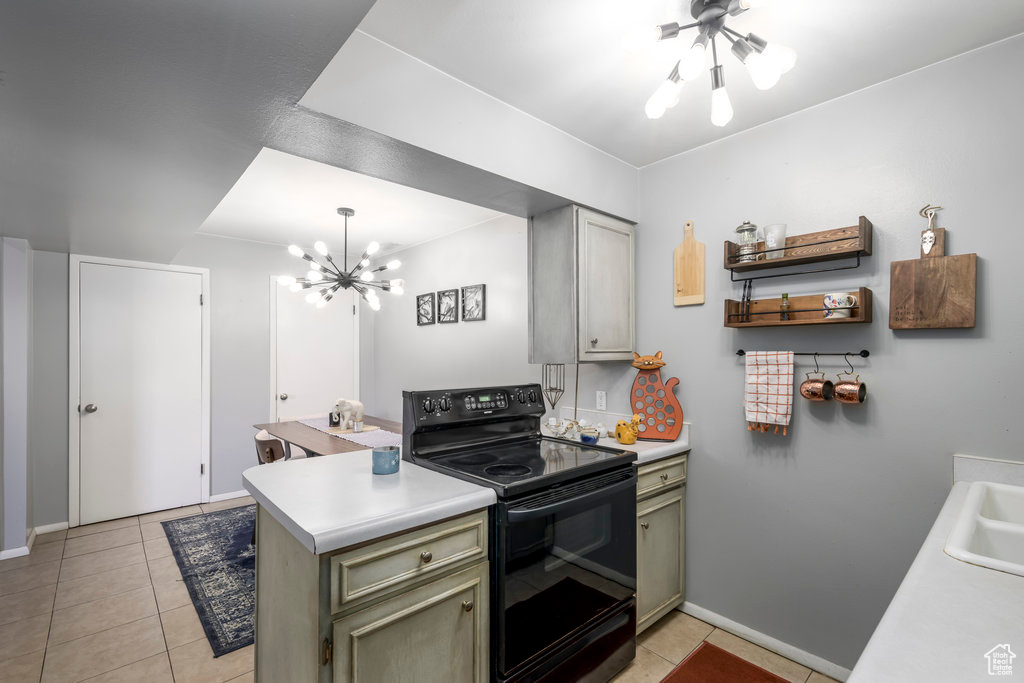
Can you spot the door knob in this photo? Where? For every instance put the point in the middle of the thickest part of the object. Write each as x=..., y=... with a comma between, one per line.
x=467, y=605
x=91, y=408
x=593, y=342
x=284, y=397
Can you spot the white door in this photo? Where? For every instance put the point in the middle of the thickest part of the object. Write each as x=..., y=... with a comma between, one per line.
x=316, y=356
x=140, y=390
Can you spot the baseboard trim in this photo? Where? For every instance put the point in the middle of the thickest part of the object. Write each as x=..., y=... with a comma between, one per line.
x=14, y=552
x=216, y=498
x=50, y=528
x=785, y=649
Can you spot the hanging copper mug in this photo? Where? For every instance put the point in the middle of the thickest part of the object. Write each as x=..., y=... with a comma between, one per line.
x=817, y=389
x=850, y=390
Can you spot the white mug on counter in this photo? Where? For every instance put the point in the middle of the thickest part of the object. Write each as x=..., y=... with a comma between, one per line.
x=839, y=304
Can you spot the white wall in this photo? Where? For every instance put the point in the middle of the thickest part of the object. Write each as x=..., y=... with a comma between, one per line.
x=463, y=354
x=807, y=537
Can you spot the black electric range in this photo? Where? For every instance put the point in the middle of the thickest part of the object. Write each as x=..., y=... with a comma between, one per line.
x=562, y=535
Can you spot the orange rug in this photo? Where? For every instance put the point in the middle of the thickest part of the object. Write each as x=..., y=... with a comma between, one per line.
x=710, y=664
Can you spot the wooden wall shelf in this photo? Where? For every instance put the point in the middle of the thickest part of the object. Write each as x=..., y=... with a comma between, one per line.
x=765, y=312
x=826, y=245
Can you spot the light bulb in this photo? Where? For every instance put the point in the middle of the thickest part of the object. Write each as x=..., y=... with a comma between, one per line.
x=665, y=97
x=321, y=303
x=312, y=297
x=375, y=305
x=691, y=65
x=285, y=280
x=296, y=250
x=641, y=38
x=394, y=264
x=784, y=58
x=372, y=248
x=367, y=276
x=314, y=276
x=654, y=108
x=314, y=265
x=397, y=286
x=295, y=287
x=721, y=107
x=365, y=262
x=762, y=71
x=320, y=247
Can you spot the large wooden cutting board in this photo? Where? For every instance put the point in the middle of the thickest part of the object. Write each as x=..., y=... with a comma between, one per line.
x=688, y=270
x=934, y=291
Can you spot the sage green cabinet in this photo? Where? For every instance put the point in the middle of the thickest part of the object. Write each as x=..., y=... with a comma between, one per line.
x=408, y=607
x=581, y=282
x=660, y=539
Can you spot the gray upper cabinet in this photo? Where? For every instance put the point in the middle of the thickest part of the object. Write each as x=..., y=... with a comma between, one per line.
x=581, y=287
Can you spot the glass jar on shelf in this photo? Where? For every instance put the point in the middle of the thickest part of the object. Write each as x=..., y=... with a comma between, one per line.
x=746, y=238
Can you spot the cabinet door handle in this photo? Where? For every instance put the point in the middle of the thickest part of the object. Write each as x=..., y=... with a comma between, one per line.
x=593, y=342
x=664, y=476
x=645, y=525
x=467, y=605
x=426, y=556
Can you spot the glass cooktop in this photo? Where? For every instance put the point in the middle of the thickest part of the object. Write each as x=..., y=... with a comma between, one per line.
x=512, y=465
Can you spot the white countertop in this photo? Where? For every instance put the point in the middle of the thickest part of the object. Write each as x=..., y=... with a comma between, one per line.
x=335, y=501
x=946, y=615
x=649, y=451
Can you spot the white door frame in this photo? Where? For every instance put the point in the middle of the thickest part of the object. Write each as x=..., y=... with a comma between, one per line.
x=75, y=363
x=274, y=287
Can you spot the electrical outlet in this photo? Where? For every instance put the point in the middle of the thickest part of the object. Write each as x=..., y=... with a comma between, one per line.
x=602, y=400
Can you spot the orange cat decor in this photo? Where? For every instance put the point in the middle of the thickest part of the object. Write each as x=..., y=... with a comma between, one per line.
x=661, y=417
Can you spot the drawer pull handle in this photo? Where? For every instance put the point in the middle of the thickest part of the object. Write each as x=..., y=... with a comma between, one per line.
x=645, y=525
x=425, y=556
x=664, y=476
x=467, y=605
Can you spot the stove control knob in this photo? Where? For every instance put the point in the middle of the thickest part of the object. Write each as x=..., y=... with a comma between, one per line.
x=428, y=405
x=444, y=405
x=521, y=396
x=533, y=396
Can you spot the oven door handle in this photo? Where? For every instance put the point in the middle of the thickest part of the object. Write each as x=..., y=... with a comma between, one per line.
x=515, y=515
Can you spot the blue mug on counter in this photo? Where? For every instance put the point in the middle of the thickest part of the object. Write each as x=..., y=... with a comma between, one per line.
x=385, y=459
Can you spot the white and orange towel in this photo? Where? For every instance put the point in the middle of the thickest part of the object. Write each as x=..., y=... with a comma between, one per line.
x=768, y=390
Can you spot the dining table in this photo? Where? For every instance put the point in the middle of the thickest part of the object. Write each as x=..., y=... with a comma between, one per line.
x=316, y=442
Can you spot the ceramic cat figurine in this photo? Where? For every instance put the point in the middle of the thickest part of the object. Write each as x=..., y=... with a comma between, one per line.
x=661, y=416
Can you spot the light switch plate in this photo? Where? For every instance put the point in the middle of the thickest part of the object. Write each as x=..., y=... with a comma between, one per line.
x=602, y=400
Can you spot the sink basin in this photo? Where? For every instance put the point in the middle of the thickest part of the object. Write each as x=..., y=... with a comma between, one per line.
x=989, y=531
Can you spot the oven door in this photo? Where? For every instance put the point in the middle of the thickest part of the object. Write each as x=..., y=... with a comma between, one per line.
x=565, y=563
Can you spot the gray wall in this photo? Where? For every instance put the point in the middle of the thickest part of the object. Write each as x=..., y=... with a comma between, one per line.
x=47, y=420
x=464, y=354
x=806, y=537
x=240, y=274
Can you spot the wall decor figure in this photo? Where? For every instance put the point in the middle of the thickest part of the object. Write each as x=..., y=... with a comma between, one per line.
x=448, y=306
x=474, y=303
x=425, y=309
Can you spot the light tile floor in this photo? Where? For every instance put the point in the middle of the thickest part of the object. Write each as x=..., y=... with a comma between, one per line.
x=106, y=602
x=668, y=642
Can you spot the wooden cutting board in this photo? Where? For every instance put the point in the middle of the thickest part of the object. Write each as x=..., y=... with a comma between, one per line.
x=933, y=292
x=689, y=270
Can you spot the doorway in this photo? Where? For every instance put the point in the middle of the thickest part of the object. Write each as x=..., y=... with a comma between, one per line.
x=139, y=388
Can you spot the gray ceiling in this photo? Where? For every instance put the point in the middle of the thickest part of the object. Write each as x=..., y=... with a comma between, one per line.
x=124, y=123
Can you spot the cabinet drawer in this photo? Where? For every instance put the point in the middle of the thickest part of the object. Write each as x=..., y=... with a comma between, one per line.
x=394, y=563
x=660, y=475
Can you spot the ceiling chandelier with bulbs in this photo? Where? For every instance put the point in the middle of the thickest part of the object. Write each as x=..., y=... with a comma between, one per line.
x=323, y=280
x=765, y=62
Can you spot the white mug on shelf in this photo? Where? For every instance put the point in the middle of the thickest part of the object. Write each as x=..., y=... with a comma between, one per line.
x=775, y=239
x=839, y=304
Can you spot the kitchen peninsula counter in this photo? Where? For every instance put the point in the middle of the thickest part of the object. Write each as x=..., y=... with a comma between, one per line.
x=335, y=501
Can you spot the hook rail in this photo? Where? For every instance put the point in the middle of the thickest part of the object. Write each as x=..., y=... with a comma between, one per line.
x=863, y=353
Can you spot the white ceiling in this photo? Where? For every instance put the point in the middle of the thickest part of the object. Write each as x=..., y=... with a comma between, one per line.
x=283, y=199
x=567, y=62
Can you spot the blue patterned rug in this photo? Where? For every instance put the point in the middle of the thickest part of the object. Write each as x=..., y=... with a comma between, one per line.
x=219, y=568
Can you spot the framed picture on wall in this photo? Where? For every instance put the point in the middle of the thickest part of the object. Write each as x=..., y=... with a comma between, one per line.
x=448, y=306
x=425, y=309
x=474, y=303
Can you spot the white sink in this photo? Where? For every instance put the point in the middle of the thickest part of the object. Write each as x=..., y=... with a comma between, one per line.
x=989, y=531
